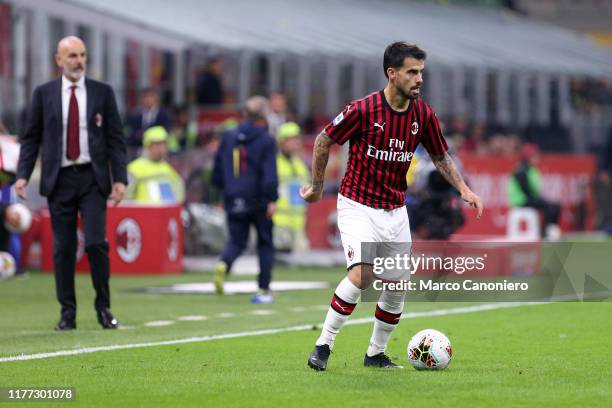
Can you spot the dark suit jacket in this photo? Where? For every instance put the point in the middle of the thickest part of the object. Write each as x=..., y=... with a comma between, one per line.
x=136, y=128
x=44, y=132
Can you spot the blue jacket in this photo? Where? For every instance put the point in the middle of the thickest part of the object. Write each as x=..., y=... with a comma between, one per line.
x=245, y=169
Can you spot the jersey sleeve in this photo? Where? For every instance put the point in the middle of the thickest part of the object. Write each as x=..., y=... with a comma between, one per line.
x=344, y=126
x=432, y=139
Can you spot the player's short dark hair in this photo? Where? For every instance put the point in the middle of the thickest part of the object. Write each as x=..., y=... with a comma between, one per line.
x=396, y=52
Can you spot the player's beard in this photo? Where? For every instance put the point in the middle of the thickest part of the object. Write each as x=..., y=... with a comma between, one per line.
x=409, y=94
x=412, y=95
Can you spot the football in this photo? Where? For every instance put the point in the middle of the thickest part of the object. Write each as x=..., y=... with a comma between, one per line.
x=430, y=349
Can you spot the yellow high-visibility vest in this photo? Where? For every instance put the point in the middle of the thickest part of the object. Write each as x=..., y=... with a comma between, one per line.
x=290, y=207
x=154, y=182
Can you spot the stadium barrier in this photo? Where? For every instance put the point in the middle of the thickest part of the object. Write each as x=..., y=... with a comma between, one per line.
x=142, y=240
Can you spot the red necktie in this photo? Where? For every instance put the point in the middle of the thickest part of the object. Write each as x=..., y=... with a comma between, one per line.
x=73, y=149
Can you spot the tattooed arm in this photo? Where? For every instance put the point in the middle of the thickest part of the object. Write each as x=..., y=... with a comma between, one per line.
x=320, y=155
x=446, y=167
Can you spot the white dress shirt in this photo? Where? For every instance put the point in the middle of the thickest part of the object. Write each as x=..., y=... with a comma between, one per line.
x=81, y=96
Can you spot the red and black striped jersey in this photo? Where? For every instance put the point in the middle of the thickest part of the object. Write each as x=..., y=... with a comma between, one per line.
x=382, y=144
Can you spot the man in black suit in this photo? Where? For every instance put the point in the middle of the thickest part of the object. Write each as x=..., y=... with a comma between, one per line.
x=148, y=115
x=74, y=122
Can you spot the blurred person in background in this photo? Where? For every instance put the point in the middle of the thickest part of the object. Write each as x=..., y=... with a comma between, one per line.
x=476, y=140
x=83, y=161
x=10, y=218
x=603, y=189
x=10, y=240
x=199, y=182
x=10, y=215
x=15, y=218
x=245, y=170
x=503, y=145
x=290, y=216
x=433, y=205
x=456, y=130
x=149, y=114
x=151, y=178
x=209, y=86
x=524, y=190
x=277, y=112
x=183, y=135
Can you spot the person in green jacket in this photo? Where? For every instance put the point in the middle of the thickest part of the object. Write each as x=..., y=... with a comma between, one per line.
x=524, y=190
x=290, y=216
x=183, y=134
x=152, y=180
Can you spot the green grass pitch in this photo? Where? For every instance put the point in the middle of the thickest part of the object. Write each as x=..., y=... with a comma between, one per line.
x=545, y=355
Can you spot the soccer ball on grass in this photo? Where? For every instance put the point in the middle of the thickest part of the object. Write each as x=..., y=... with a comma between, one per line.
x=430, y=349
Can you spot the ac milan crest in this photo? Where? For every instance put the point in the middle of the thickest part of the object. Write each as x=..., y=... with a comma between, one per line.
x=129, y=240
x=414, y=129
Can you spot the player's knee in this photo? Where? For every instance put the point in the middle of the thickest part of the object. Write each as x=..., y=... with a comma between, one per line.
x=361, y=276
x=393, y=300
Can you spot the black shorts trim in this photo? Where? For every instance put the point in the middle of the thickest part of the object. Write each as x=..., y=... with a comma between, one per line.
x=356, y=264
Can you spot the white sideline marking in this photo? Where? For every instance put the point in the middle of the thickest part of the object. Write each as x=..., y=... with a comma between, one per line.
x=429, y=313
x=159, y=323
x=262, y=312
x=195, y=318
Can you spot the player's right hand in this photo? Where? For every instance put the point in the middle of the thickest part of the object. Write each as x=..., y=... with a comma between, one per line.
x=20, y=186
x=309, y=194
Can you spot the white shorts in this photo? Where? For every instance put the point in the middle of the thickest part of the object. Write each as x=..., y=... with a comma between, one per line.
x=359, y=223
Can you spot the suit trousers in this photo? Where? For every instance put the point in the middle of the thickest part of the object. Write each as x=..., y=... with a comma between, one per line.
x=76, y=192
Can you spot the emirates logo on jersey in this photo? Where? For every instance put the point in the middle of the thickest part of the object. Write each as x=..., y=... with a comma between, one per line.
x=396, y=152
x=414, y=129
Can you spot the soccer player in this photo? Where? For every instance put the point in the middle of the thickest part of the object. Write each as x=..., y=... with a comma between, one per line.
x=383, y=130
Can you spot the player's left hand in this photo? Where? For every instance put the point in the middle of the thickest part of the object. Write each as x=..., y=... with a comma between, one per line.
x=118, y=193
x=310, y=194
x=474, y=201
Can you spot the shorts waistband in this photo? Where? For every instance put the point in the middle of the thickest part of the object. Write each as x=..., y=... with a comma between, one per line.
x=358, y=204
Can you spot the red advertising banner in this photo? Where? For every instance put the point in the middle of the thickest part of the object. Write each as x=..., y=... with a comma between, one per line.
x=566, y=179
x=142, y=240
